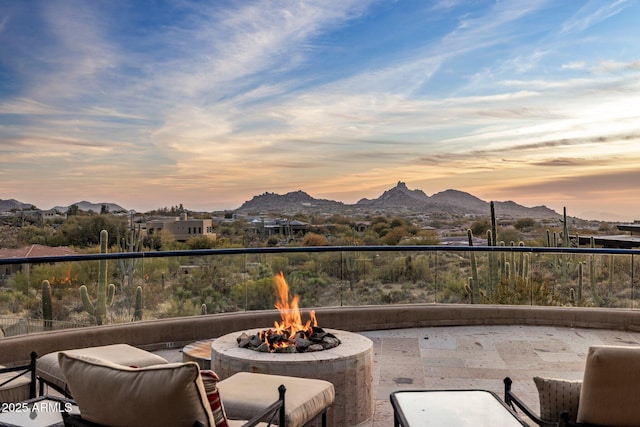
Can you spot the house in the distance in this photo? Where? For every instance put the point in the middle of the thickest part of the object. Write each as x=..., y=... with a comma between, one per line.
x=31, y=251
x=623, y=241
x=182, y=228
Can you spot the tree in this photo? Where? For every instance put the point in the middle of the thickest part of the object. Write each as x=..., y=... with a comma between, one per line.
x=313, y=239
x=200, y=242
x=480, y=227
x=525, y=224
x=73, y=210
x=394, y=236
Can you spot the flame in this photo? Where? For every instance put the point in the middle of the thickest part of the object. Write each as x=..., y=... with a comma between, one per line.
x=66, y=280
x=290, y=311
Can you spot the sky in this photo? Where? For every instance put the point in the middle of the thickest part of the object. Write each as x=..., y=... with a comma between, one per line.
x=153, y=103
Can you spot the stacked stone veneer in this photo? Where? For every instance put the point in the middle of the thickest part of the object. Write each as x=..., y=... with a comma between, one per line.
x=349, y=367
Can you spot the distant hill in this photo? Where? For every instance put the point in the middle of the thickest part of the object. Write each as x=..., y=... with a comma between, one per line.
x=398, y=199
x=294, y=201
x=96, y=207
x=7, y=205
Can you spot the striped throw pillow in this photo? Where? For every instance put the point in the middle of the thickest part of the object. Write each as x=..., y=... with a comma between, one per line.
x=210, y=380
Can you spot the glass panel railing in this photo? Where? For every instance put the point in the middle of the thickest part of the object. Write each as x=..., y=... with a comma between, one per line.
x=154, y=285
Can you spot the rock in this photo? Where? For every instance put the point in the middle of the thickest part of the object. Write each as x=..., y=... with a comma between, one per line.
x=264, y=348
x=315, y=347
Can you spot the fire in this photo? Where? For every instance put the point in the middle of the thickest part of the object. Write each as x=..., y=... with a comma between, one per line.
x=290, y=311
x=289, y=335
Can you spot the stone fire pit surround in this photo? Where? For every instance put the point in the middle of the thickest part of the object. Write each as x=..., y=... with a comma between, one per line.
x=349, y=367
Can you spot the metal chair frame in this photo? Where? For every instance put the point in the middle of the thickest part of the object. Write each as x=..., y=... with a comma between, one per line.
x=22, y=370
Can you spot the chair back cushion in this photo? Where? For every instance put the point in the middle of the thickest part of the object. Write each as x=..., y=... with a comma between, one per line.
x=611, y=387
x=168, y=395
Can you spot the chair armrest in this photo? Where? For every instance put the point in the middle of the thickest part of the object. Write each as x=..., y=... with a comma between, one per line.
x=514, y=401
x=270, y=412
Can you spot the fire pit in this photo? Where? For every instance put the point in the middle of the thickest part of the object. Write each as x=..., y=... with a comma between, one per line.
x=348, y=364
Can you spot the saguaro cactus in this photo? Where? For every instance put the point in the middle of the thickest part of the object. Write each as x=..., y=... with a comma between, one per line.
x=494, y=225
x=137, y=312
x=47, y=306
x=521, y=261
x=600, y=301
x=474, y=283
x=492, y=240
x=565, y=229
x=577, y=299
x=128, y=266
x=106, y=293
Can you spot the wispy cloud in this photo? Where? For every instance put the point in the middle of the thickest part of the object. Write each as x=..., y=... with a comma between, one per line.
x=574, y=66
x=594, y=12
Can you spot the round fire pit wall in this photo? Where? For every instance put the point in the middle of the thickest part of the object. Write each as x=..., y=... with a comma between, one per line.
x=349, y=367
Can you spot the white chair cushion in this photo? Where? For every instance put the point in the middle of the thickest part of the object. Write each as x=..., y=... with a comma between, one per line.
x=610, y=387
x=245, y=394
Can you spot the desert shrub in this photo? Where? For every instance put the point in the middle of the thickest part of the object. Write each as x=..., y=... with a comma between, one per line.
x=254, y=295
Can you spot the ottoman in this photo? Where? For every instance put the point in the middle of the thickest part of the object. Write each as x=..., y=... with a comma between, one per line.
x=48, y=370
x=246, y=394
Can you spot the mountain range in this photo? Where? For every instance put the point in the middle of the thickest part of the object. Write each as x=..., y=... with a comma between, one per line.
x=398, y=199
x=12, y=204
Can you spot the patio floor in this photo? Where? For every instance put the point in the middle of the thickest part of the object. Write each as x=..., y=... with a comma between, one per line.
x=474, y=357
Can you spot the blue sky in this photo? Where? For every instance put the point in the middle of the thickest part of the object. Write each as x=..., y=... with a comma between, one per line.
x=207, y=103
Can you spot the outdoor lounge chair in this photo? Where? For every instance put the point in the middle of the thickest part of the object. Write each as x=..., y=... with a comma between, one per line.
x=18, y=383
x=165, y=395
x=606, y=396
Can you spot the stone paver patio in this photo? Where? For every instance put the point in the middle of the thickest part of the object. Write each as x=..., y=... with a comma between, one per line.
x=468, y=357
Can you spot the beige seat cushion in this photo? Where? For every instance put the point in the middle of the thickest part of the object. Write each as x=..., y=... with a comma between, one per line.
x=16, y=390
x=48, y=368
x=557, y=396
x=168, y=395
x=246, y=394
x=611, y=386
